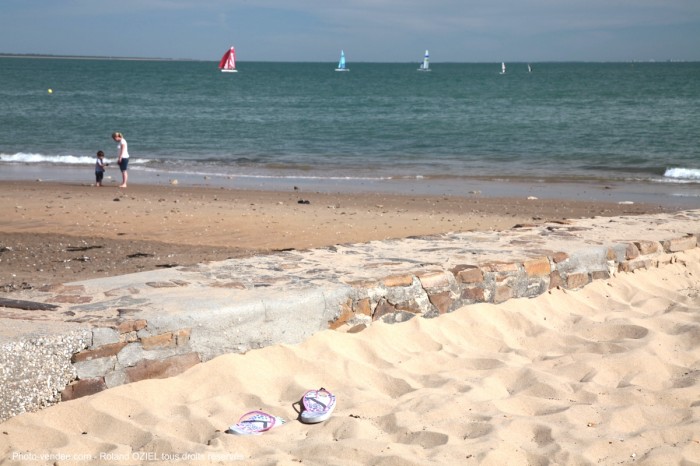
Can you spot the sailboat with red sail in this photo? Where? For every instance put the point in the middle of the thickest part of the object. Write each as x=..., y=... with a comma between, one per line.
x=228, y=61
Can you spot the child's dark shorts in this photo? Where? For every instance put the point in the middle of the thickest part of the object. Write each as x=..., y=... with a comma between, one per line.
x=99, y=176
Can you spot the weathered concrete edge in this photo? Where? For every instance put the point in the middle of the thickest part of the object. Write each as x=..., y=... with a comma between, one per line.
x=35, y=370
x=88, y=360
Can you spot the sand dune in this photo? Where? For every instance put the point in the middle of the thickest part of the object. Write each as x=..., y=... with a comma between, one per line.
x=605, y=375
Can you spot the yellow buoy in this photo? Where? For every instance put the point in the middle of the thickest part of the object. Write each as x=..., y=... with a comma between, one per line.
x=50, y=91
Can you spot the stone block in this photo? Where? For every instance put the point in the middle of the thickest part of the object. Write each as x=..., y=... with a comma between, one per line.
x=357, y=328
x=163, y=340
x=648, y=247
x=537, y=267
x=131, y=325
x=383, y=308
x=130, y=355
x=70, y=299
x=434, y=280
x=577, y=280
x=600, y=275
x=555, y=280
x=104, y=336
x=95, y=367
x=631, y=252
x=102, y=352
x=161, y=368
x=409, y=306
x=472, y=274
x=631, y=266
x=398, y=280
x=500, y=267
x=680, y=244
x=363, y=307
x=115, y=378
x=442, y=301
x=345, y=315
x=503, y=293
x=559, y=257
x=473, y=294
x=82, y=388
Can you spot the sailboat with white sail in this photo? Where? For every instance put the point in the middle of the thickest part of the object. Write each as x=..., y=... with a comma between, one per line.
x=341, y=62
x=503, y=68
x=425, y=66
x=228, y=61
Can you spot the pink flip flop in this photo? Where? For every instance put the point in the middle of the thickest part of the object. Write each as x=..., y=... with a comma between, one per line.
x=255, y=423
x=318, y=406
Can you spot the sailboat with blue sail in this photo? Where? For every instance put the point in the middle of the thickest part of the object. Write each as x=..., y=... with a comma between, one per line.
x=341, y=63
x=425, y=66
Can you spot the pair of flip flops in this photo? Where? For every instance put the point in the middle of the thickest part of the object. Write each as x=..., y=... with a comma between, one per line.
x=318, y=405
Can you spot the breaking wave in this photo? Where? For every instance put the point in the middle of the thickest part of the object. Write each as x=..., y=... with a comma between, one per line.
x=23, y=157
x=682, y=174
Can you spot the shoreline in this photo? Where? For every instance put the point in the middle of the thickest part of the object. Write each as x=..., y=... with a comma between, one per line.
x=675, y=195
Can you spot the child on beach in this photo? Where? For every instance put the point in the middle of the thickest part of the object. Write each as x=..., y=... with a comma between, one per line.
x=100, y=165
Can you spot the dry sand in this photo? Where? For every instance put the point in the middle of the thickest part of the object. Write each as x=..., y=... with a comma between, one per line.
x=604, y=375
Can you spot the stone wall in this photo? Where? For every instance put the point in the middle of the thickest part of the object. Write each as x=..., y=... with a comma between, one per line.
x=431, y=293
x=37, y=372
x=127, y=352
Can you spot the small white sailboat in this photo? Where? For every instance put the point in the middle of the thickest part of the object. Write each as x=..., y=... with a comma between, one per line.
x=529, y=68
x=503, y=68
x=228, y=61
x=425, y=66
x=341, y=62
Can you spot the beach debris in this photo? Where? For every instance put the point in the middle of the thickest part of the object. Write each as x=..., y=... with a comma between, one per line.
x=81, y=248
x=139, y=254
x=531, y=198
x=173, y=182
x=625, y=203
x=116, y=199
x=303, y=201
x=26, y=305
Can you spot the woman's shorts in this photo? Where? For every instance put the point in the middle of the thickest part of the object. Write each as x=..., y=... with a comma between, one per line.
x=123, y=164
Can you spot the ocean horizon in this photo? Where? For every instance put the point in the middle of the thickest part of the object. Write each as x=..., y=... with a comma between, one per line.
x=381, y=126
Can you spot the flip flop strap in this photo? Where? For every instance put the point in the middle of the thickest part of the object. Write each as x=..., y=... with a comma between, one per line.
x=315, y=400
x=268, y=421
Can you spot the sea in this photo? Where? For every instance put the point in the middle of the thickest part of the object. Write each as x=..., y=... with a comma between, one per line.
x=625, y=132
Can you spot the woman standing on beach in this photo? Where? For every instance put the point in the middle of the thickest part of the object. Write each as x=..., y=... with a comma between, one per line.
x=122, y=157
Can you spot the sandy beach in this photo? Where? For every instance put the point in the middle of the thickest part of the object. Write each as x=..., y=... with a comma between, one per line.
x=604, y=375
x=60, y=232
x=607, y=374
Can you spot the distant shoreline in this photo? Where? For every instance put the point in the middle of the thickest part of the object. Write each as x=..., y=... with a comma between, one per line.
x=88, y=57
x=105, y=57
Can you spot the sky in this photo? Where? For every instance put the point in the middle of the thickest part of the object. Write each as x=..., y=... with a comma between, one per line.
x=367, y=30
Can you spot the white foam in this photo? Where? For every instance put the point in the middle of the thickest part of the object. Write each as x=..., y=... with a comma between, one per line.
x=23, y=157
x=682, y=173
